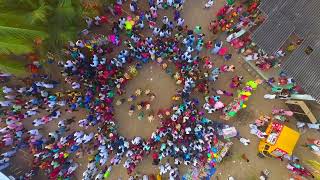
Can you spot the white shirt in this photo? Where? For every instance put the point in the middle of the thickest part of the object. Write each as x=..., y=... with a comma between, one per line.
x=165, y=20
x=132, y=8
x=80, y=43
x=34, y=132
x=21, y=90
x=163, y=170
x=188, y=130
x=5, y=103
x=9, y=153
x=99, y=176
x=44, y=93
x=72, y=168
x=61, y=123
x=245, y=141
x=5, y=75
x=136, y=140
x=129, y=153
x=78, y=134
x=10, y=97
x=48, y=86
x=6, y=90
x=4, y=130
x=156, y=31
x=63, y=140
x=58, y=113
x=38, y=122
x=103, y=160
x=54, y=135
x=180, y=22
x=68, y=64
x=87, y=138
x=161, y=34
x=61, y=103
x=75, y=85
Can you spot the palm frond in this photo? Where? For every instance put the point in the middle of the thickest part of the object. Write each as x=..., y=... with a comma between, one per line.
x=20, y=33
x=65, y=13
x=315, y=166
x=58, y=38
x=30, y=4
x=19, y=4
x=22, y=21
x=14, y=19
x=39, y=15
x=12, y=66
x=9, y=48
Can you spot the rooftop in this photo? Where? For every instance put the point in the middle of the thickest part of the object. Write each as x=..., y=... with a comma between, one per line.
x=302, y=18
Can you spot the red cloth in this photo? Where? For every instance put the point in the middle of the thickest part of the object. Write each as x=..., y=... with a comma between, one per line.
x=223, y=51
x=155, y=156
x=211, y=101
x=118, y=9
x=103, y=19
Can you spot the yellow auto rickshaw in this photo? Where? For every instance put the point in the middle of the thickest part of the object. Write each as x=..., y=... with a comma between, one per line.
x=281, y=141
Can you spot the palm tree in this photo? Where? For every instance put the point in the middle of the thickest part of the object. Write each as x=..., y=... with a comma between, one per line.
x=24, y=21
x=17, y=31
x=64, y=23
x=315, y=166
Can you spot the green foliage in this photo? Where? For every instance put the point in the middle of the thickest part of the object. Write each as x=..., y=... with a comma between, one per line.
x=63, y=24
x=22, y=21
x=18, y=40
x=39, y=15
x=12, y=66
x=8, y=48
x=315, y=165
x=19, y=33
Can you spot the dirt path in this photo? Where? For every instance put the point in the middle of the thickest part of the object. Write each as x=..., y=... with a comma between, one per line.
x=150, y=77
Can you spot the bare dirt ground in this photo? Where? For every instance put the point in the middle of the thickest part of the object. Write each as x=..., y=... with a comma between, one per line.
x=154, y=78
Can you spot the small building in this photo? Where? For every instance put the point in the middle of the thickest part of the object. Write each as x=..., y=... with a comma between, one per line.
x=301, y=18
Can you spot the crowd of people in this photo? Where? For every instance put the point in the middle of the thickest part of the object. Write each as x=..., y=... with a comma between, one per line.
x=96, y=73
x=95, y=79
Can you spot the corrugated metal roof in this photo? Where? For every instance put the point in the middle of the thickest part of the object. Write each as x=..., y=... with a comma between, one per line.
x=271, y=35
x=301, y=17
x=311, y=15
x=305, y=68
x=270, y=6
